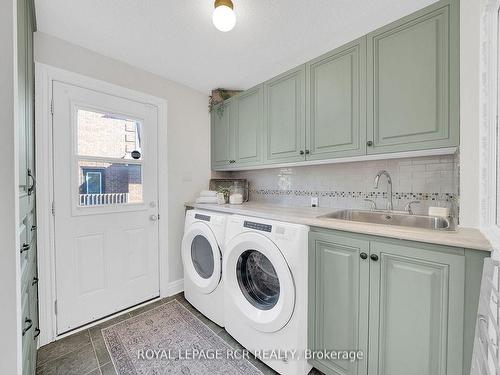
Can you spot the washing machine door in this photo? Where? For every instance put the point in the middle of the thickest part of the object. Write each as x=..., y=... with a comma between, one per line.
x=259, y=281
x=201, y=257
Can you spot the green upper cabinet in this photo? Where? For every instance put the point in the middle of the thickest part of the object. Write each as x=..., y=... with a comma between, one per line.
x=248, y=127
x=416, y=311
x=222, y=134
x=393, y=90
x=284, y=109
x=336, y=103
x=236, y=134
x=413, y=82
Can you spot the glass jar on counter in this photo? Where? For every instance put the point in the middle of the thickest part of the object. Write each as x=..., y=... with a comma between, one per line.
x=236, y=193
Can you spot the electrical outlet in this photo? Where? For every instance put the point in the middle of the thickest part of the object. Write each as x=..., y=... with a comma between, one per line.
x=314, y=202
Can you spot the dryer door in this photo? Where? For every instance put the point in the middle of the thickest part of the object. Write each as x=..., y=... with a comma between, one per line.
x=259, y=281
x=201, y=257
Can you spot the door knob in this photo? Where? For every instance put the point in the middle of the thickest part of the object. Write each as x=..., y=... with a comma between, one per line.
x=153, y=217
x=363, y=255
x=374, y=257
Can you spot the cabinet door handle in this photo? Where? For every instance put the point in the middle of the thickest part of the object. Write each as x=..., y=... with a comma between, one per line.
x=31, y=189
x=363, y=256
x=301, y=152
x=369, y=143
x=374, y=257
x=33, y=228
x=37, y=333
x=35, y=281
x=27, y=328
x=307, y=152
x=25, y=247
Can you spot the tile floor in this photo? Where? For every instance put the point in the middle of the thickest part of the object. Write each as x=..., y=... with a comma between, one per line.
x=84, y=353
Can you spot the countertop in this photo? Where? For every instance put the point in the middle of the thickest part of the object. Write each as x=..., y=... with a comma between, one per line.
x=469, y=238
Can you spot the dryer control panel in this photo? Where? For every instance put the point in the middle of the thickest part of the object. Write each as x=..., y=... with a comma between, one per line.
x=202, y=217
x=258, y=226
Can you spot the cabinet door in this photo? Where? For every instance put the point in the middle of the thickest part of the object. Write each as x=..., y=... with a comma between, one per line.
x=248, y=127
x=413, y=82
x=222, y=134
x=416, y=311
x=336, y=103
x=285, y=117
x=338, y=300
x=23, y=99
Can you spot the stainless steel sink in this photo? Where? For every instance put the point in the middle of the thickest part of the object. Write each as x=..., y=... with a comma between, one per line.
x=393, y=218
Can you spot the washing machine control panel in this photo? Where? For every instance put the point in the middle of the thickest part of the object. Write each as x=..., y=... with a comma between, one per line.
x=258, y=226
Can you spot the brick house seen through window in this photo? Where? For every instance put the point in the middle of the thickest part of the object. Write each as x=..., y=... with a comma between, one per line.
x=117, y=178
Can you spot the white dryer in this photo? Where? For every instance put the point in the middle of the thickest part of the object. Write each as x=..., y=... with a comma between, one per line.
x=265, y=281
x=204, y=235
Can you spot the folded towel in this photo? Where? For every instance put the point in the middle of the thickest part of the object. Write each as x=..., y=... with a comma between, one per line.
x=208, y=193
x=208, y=200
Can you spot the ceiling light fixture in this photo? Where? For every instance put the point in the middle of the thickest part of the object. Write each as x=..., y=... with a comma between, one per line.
x=223, y=16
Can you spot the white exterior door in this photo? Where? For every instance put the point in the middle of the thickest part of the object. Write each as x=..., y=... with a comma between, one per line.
x=105, y=202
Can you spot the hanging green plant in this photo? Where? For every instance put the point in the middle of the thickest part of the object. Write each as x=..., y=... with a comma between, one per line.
x=219, y=96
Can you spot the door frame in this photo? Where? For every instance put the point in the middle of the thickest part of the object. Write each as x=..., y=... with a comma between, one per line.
x=44, y=77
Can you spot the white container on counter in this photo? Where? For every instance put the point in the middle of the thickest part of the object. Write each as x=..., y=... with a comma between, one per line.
x=236, y=193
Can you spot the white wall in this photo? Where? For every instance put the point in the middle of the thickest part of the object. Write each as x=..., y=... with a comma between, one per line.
x=188, y=125
x=10, y=316
x=470, y=14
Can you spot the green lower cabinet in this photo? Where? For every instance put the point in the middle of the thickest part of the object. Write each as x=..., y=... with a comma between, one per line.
x=416, y=311
x=404, y=304
x=338, y=296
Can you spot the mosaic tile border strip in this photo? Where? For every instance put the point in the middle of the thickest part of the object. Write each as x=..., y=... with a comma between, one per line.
x=447, y=197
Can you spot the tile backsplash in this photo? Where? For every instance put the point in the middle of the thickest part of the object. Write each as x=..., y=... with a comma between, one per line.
x=433, y=181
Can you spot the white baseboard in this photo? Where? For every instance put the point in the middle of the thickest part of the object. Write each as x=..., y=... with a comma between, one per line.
x=175, y=287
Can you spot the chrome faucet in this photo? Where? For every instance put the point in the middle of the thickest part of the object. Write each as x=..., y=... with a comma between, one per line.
x=389, y=186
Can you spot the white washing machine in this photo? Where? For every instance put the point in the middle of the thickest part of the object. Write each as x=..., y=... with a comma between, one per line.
x=204, y=235
x=265, y=281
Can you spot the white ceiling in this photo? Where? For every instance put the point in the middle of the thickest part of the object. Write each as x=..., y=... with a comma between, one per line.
x=176, y=39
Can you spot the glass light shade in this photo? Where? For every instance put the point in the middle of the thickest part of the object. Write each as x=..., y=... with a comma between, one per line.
x=224, y=18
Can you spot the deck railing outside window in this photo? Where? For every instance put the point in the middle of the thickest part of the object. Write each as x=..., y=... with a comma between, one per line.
x=103, y=199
